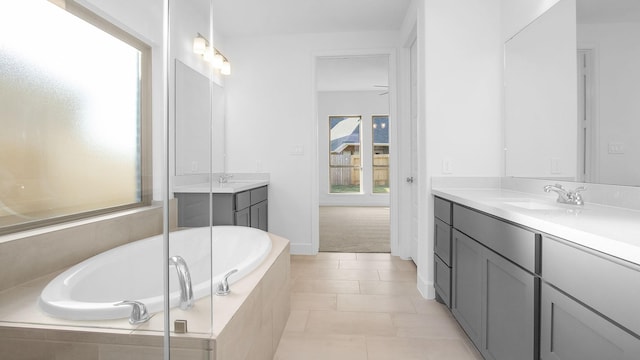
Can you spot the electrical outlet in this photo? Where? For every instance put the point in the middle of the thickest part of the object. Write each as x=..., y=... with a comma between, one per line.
x=296, y=150
x=555, y=166
x=447, y=167
x=616, y=148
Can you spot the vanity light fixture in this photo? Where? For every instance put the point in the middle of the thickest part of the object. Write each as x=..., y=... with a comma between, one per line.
x=200, y=44
x=211, y=55
x=226, y=68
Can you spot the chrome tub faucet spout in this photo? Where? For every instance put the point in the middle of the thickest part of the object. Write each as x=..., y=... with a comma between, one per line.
x=184, y=277
x=567, y=196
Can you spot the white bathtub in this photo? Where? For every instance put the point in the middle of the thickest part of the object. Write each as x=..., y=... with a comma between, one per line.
x=90, y=289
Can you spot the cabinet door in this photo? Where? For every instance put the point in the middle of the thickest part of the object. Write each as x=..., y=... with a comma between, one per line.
x=571, y=331
x=442, y=240
x=259, y=216
x=243, y=217
x=510, y=311
x=467, y=292
x=442, y=280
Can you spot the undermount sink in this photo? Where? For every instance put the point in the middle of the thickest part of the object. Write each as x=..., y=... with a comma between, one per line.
x=533, y=205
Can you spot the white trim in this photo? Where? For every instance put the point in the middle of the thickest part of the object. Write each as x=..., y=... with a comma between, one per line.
x=426, y=288
x=303, y=249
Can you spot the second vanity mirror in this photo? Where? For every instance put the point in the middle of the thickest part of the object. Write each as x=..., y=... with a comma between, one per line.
x=199, y=122
x=572, y=94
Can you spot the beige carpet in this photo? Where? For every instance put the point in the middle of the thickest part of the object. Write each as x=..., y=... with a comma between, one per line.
x=354, y=229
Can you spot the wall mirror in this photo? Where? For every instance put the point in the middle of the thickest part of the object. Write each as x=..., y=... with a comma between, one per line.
x=572, y=94
x=199, y=122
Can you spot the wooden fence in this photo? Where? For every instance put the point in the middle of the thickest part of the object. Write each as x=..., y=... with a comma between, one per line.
x=345, y=170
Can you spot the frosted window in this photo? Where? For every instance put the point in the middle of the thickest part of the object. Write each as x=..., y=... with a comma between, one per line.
x=70, y=115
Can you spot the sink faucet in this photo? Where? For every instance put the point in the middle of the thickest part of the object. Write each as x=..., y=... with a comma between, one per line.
x=567, y=196
x=184, y=277
x=224, y=178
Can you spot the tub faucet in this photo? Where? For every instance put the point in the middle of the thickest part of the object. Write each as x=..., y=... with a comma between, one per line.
x=223, y=286
x=567, y=196
x=184, y=277
x=139, y=312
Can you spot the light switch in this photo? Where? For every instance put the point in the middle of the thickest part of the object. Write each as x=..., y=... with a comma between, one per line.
x=555, y=166
x=447, y=167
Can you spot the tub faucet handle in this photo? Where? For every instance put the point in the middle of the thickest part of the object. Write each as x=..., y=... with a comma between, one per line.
x=223, y=286
x=139, y=312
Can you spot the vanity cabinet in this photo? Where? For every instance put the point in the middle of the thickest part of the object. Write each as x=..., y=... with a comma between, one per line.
x=494, y=285
x=589, y=304
x=442, y=251
x=246, y=208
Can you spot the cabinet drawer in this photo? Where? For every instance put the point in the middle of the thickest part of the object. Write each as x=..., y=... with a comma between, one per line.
x=442, y=280
x=610, y=286
x=258, y=195
x=572, y=331
x=516, y=244
x=442, y=240
x=243, y=200
x=442, y=210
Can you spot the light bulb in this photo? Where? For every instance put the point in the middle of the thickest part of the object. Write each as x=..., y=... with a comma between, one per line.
x=199, y=45
x=218, y=60
x=208, y=54
x=226, y=68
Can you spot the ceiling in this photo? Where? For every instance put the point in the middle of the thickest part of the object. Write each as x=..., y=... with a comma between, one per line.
x=272, y=17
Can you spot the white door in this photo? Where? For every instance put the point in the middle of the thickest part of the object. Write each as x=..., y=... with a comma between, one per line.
x=414, y=149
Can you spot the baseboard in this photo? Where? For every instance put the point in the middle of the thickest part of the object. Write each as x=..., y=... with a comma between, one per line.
x=426, y=288
x=302, y=249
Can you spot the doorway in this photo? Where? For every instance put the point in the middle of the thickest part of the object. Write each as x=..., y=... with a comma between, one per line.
x=355, y=148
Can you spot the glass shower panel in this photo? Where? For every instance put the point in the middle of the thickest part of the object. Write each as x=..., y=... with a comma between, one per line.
x=190, y=164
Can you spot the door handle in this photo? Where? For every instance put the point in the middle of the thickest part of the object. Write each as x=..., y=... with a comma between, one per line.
x=410, y=179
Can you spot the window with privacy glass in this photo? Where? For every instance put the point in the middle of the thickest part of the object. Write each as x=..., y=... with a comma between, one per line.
x=345, y=165
x=74, y=114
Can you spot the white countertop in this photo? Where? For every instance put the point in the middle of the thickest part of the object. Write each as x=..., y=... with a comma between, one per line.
x=611, y=230
x=230, y=187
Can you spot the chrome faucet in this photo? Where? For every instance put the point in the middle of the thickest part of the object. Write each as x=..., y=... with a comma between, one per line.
x=139, y=312
x=223, y=286
x=224, y=178
x=184, y=277
x=567, y=196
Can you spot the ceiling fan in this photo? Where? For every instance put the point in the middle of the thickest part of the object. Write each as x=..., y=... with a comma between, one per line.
x=383, y=86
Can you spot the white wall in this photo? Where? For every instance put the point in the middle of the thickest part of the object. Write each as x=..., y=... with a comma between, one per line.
x=345, y=103
x=270, y=111
x=461, y=93
x=617, y=72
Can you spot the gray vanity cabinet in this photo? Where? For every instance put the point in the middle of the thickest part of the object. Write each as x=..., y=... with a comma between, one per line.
x=589, y=304
x=442, y=251
x=571, y=331
x=466, y=304
x=494, y=297
x=246, y=208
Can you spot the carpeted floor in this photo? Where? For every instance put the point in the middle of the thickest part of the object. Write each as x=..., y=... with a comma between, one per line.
x=354, y=229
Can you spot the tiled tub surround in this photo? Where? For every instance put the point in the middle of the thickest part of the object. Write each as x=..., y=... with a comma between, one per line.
x=610, y=226
x=247, y=324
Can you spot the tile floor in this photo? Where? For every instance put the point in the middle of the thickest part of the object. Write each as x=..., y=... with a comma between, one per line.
x=366, y=306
